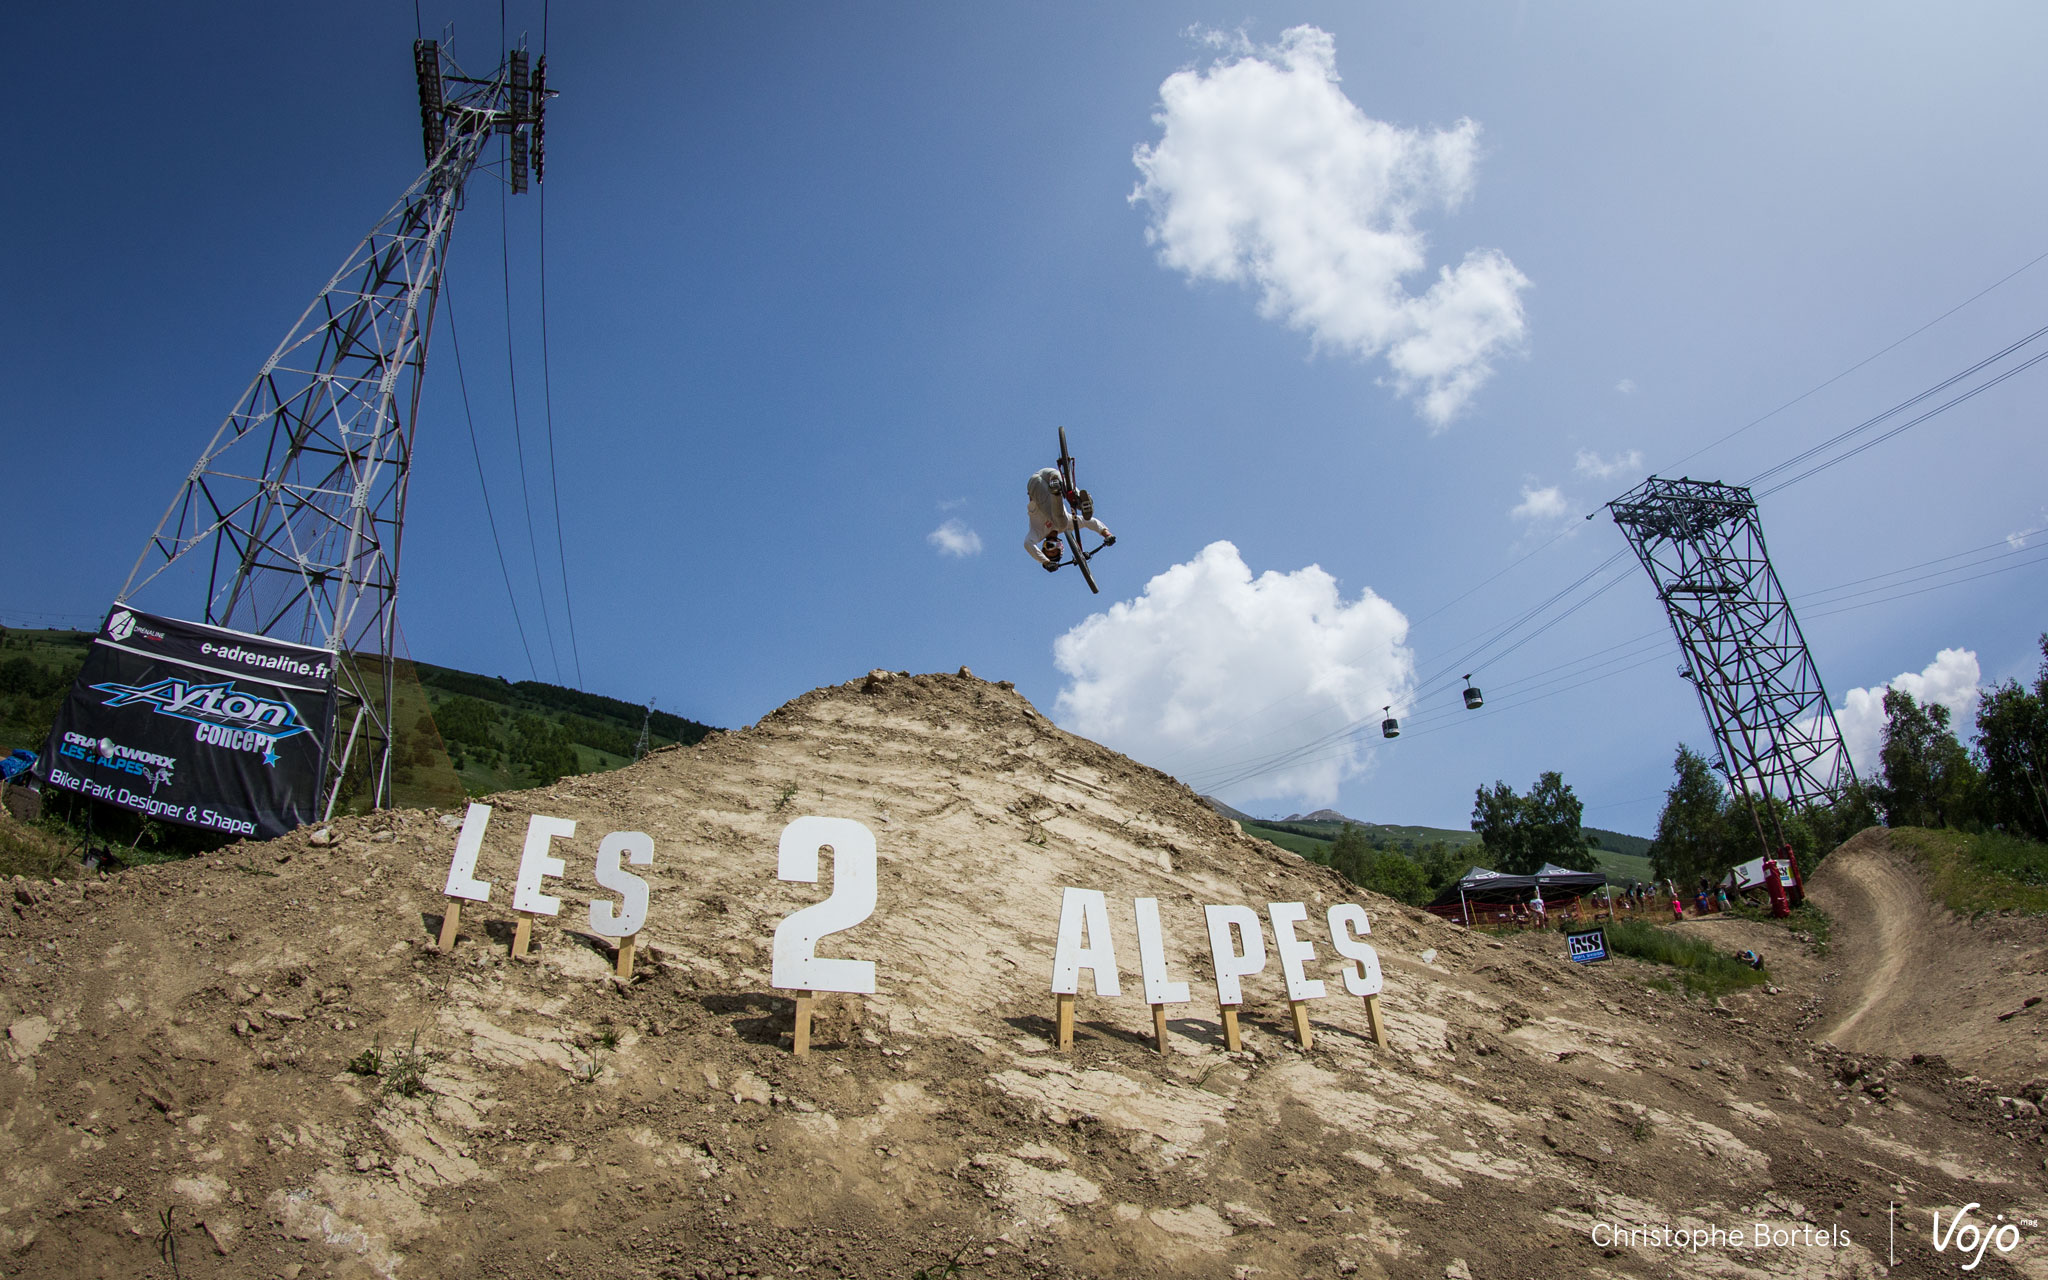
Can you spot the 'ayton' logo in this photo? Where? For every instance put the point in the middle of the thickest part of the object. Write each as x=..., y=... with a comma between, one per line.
x=216, y=704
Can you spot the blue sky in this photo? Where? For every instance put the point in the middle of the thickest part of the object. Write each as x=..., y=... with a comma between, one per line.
x=824, y=279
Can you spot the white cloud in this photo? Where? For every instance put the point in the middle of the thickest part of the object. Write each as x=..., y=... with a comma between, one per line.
x=1266, y=173
x=1541, y=505
x=1594, y=467
x=1950, y=680
x=954, y=538
x=1627, y=386
x=950, y=504
x=1211, y=666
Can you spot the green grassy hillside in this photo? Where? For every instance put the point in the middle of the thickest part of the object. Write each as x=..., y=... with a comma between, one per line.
x=36, y=668
x=1622, y=857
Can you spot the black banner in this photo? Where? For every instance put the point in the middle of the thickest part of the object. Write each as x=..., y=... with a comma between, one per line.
x=197, y=725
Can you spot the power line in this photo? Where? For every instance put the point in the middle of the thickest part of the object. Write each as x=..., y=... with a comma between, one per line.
x=1756, y=422
x=1477, y=657
x=1513, y=694
x=490, y=518
x=1904, y=595
x=547, y=394
x=1908, y=425
x=518, y=438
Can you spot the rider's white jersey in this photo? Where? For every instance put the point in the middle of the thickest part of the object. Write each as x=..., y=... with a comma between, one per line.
x=1049, y=513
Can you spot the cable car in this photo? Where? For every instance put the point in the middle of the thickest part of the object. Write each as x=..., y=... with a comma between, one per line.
x=1473, y=701
x=1389, y=727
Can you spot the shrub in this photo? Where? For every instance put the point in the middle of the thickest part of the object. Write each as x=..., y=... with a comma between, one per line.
x=1705, y=971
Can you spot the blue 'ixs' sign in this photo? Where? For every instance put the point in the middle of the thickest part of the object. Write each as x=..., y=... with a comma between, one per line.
x=196, y=725
x=1587, y=945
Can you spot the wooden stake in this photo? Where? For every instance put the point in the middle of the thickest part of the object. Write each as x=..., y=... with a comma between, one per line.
x=1063, y=1021
x=625, y=965
x=1303, y=1036
x=1372, y=1017
x=1159, y=1026
x=800, y=1037
x=522, y=935
x=1231, y=1040
x=451, y=924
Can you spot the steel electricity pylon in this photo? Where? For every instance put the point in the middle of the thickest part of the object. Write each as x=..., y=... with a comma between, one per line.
x=295, y=512
x=1703, y=546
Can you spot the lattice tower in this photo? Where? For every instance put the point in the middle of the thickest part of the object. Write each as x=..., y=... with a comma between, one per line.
x=1703, y=547
x=295, y=512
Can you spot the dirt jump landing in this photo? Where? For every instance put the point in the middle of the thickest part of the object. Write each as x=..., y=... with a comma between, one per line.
x=261, y=1065
x=1914, y=977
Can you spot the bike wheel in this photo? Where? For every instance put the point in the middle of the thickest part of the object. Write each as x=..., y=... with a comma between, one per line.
x=1081, y=560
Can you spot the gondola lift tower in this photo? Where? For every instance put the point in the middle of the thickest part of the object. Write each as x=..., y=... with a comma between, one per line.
x=295, y=511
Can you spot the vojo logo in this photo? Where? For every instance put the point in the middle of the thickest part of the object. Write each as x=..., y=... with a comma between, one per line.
x=225, y=716
x=1971, y=1239
x=120, y=626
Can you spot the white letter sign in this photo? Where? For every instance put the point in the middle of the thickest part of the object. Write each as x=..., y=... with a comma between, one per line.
x=1364, y=978
x=638, y=847
x=462, y=881
x=1231, y=962
x=535, y=862
x=1152, y=956
x=1294, y=952
x=796, y=966
x=1084, y=910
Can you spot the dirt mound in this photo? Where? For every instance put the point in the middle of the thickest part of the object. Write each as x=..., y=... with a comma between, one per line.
x=182, y=1041
x=1917, y=978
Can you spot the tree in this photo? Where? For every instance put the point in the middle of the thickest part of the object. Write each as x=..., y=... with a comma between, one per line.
x=1350, y=852
x=1441, y=863
x=1395, y=874
x=1693, y=838
x=543, y=749
x=1929, y=779
x=1522, y=832
x=2012, y=737
x=1842, y=815
x=1497, y=817
x=1371, y=865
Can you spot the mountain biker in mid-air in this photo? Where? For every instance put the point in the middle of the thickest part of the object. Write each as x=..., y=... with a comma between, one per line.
x=1051, y=516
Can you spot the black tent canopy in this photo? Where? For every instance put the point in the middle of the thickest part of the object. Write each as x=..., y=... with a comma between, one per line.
x=1568, y=882
x=1481, y=887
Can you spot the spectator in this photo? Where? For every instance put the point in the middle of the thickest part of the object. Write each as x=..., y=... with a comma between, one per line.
x=1677, y=909
x=1721, y=899
x=1536, y=908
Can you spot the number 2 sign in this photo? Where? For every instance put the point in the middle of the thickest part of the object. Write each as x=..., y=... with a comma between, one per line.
x=797, y=966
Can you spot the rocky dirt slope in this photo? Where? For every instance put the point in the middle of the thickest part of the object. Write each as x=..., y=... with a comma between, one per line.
x=181, y=1036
